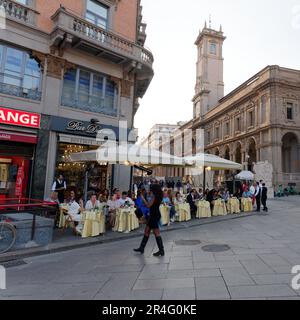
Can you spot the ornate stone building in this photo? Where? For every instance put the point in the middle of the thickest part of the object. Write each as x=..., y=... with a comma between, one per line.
x=258, y=121
x=257, y=124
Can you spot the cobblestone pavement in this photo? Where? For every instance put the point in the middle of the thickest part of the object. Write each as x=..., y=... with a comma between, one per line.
x=262, y=249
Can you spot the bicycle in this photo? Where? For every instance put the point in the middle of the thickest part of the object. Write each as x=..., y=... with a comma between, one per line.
x=8, y=236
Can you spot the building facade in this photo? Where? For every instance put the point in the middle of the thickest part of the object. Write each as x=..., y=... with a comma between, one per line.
x=257, y=124
x=81, y=67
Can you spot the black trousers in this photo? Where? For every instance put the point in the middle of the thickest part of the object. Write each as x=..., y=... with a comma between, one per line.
x=258, y=201
x=264, y=203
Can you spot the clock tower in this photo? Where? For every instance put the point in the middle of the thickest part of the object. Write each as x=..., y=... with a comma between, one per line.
x=209, y=87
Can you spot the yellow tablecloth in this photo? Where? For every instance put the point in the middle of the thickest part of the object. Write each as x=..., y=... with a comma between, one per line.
x=93, y=223
x=233, y=205
x=247, y=205
x=183, y=212
x=219, y=208
x=63, y=210
x=203, y=209
x=126, y=220
x=165, y=215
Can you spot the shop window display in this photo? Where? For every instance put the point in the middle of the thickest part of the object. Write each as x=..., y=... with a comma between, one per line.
x=75, y=173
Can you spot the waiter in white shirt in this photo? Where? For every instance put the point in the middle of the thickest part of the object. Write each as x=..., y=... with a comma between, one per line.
x=60, y=187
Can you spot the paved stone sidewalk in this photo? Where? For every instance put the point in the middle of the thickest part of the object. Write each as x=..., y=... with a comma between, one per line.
x=263, y=250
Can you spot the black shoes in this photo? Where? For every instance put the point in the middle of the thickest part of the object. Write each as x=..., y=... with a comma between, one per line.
x=160, y=245
x=141, y=249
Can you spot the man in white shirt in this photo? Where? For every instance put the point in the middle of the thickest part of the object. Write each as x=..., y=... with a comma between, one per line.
x=125, y=200
x=93, y=203
x=258, y=196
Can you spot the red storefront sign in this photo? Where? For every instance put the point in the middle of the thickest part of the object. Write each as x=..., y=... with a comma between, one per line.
x=20, y=118
x=19, y=181
x=7, y=136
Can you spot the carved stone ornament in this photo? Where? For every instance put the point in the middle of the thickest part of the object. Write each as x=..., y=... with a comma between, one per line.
x=55, y=65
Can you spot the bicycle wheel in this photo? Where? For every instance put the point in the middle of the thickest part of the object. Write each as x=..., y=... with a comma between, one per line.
x=7, y=236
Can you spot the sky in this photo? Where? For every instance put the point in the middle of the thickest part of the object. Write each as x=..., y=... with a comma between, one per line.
x=259, y=33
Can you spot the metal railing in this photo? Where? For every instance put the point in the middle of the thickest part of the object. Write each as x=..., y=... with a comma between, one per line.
x=80, y=27
x=19, y=12
x=20, y=92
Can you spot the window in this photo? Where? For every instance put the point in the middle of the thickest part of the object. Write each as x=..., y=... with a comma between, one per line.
x=217, y=132
x=263, y=110
x=208, y=137
x=251, y=119
x=238, y=124
x=89, y=91
x=289, y=111
x=20, y=74
x=97, y=13
x=227, y=129
x=213, y=48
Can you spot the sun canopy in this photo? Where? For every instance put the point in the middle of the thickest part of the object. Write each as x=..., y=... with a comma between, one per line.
x=213, y=162
x=129, y=155
x=150, y=158
x=245, y=175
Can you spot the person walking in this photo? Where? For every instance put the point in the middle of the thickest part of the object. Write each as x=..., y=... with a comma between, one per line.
x=258, y=197
x=153, y=220
x=60, y=187
x=264, y=197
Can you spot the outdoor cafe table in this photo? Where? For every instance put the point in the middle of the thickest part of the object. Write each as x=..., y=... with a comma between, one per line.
x=233, y=205
x=63, y=212
x=203, y=209
x=183, y=212
x=219, y=208
x=93, y=223
x=165, y=214
x=247, y=205
x=126, y=220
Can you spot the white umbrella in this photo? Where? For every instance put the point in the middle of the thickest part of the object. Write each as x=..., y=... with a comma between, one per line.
x=212, y=161
x=245, y=175
x=129, y=155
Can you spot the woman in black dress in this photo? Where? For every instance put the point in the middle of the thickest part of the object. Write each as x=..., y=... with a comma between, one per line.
x=153, y=221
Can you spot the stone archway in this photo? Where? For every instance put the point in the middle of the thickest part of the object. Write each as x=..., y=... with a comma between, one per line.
x=251, y=153
x=290, y=153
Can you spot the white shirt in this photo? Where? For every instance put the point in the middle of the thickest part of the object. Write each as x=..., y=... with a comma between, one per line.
x=121, y=202
x=112, y=204
x=54, y=185
x=252, y=190
x=90, y=206
x=73, y=207
x=258, y=189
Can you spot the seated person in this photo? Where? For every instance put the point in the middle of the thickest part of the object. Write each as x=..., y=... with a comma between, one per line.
x=74, y=210
x=93, y=203
x=142, y=209
x=125, y=201
x=167, y=201
x=116, y=194
x=53, y=198
x=112, y=207
x=226, y=195
x=178, y=199
x=191, y=201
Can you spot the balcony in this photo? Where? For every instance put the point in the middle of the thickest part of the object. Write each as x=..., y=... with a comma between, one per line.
x=70, y=30
x=20, y=92
x=90, y=105
x=18, y=12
